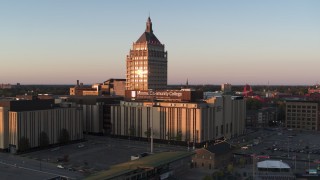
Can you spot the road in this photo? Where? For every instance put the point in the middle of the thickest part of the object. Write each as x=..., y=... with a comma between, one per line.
x=14, y=167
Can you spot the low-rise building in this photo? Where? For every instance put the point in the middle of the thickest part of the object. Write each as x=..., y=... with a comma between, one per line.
x=302, y=115
x=25, y=123
x=188, y=121
x=213, y=156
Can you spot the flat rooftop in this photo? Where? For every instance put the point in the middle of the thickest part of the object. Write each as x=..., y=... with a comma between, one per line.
x=148, y=162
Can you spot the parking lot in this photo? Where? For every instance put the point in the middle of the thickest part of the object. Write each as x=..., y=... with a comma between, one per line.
x=299, y=149
x=96, y=153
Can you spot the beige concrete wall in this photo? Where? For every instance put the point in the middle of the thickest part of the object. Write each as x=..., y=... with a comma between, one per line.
x=30, y=124
x=196, y=121
x=92, y=118
x=4, y=128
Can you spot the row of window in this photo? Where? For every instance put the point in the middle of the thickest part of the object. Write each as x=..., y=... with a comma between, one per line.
x=303, y=111
x=303, y=127
x=301, y=115
x=307, y=107
x=308, y=123
x=301, y=119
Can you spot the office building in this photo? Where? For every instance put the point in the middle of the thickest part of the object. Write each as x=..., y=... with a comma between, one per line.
x=30, y=124
x=193, y=122
x=179, y=115
x=95, y=111
x=226, y=88
x=302, y=115
x=27, y=120
x=147, y=62
x=114, y=87
x=81, y=90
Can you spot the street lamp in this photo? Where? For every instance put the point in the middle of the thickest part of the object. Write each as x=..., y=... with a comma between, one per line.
x=151, y=129
x=151, y=126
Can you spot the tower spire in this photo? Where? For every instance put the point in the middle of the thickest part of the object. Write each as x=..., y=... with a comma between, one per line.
x=149, y=25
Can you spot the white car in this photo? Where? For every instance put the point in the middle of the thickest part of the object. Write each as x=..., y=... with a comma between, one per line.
x=60, y=166
x=80, y=145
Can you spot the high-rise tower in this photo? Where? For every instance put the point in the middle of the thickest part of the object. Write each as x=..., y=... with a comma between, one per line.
x=147, y=62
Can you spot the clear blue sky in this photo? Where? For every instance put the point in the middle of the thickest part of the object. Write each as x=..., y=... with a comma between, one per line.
x=208, y=42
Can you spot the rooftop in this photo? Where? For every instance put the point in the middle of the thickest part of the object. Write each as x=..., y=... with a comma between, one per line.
x=148, y=162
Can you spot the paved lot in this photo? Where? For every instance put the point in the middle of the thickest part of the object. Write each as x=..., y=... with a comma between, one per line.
x=95, y=154
x=299, y=149
x=99, y=153
x=15, y=167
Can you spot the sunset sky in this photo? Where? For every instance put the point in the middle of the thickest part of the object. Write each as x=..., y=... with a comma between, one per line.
x=208, y=42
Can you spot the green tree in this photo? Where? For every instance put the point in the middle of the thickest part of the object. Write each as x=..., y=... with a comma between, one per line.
x=242, y=161
x=179, y=136
x=132, y=131
x=64, y=136
x=253, y=104
x=207, y=177
x=148, y=133
x=230, y=168
x=218, y=175
x=44, y=139
x=281, y=111
x=24, y=144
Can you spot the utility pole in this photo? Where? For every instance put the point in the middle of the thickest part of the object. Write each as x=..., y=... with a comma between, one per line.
x=253, y=162
x=309, y=159
x=151, y=129
x=151, y=123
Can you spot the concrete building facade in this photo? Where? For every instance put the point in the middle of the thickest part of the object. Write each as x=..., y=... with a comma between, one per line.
x=4, y=127
x=193, y=122
x=114, y=87
x=29, y=124
x=302, y=115
x=28, y=119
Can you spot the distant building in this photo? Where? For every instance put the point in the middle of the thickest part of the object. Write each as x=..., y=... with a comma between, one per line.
x=226, y=88
x=263, y=117
x=314, y=90
x=5, y=86
x=114, y=87
x=302, y=115
x=213, y=156
x=147, y=62
x=208, y=95
x=80, y=90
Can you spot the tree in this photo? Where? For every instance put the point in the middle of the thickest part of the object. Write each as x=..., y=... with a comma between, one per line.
x=179, y=136
x=64, y=136
x=253, y=104
x=24, y=144
x=132, y=131
x=230, y=168
x=207, y=177
x=148, y=133
x=44, y=139
x=242, y=161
